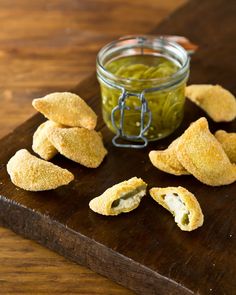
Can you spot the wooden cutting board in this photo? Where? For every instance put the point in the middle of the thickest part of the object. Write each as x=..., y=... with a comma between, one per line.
x=143, y=250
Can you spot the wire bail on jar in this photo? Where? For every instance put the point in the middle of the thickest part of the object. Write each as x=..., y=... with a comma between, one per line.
x=121, y=107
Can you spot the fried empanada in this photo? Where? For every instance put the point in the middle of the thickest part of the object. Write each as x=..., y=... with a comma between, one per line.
x=216, y=101
x=182, y=204
x=120, y=198
x=33, y=174
x=41, y=145
x=167, y=161
x=79, y=144
x=67, y=109
x=203, y=156
x=228, y=142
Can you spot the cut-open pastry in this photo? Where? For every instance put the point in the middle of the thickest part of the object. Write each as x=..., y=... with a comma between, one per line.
x=203, y=156
x=41, y=145
x=167, y=161
x=78, y=144
x=67, y=109
x=32, y=174
x=228, y=142
x=182, y=204
x=216, y=101
x=120, y=198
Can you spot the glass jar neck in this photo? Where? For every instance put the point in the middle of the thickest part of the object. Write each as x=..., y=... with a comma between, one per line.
x=144, y=45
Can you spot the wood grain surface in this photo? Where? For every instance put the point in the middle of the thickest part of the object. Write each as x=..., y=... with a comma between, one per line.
x=47, y=46
x=155, y=257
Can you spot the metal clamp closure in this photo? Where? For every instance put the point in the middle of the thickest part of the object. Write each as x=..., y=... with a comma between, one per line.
x=144, y=111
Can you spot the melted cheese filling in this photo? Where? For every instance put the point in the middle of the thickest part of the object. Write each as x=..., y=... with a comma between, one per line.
x=130, y=202
x=178, y=208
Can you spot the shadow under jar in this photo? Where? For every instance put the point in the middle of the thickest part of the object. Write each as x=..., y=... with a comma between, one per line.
x=142, y=80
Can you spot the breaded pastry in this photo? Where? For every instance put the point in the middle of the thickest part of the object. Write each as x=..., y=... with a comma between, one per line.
x=41, y=145
x=203, y=156
x=33, y=174
x=79, y=144
x=67, y=109
x=120, y=198
x=182, y=204
x=228, y=142
x=216, y=101
x=167, y=161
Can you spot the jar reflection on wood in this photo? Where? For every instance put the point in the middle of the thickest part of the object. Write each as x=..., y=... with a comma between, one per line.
x=137, y=70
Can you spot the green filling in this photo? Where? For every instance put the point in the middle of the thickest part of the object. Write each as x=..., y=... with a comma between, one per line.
x=185, y=219
x=128, y=195
x=166, y=106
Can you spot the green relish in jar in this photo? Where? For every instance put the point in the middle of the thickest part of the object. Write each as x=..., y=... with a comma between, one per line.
x=145, y=69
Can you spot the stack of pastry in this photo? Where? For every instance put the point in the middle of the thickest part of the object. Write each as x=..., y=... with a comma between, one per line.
x=211, y=159
x=198, y=152
x=69, y=131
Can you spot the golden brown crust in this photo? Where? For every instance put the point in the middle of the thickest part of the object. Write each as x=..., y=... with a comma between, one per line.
x=228, y=142
x=67, y=109
x=167, y=160
x=195, y=216
x=216, y=101
x=203, y=156
x=103, y=203
x=78, y=144
x=33, y=174
x=41, y=145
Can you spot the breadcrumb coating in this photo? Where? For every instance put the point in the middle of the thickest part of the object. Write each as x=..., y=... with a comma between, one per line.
x=32, y=174
x=194, y=214
x=167, y=161
x=103, y=203
x=41, y=145
x=216, y=101
x=228, y=142
x=203, y=156
x=78, y=144
x=67, y=109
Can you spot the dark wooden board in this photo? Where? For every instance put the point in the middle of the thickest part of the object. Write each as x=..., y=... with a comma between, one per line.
x=143, y=250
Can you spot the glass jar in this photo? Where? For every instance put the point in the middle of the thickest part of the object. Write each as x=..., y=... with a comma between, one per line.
x=142, y=81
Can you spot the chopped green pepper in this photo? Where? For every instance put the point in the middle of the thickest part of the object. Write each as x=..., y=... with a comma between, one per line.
x=185, y=219
x=128, y=195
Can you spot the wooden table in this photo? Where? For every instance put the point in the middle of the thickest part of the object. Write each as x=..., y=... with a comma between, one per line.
x=50, y=46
